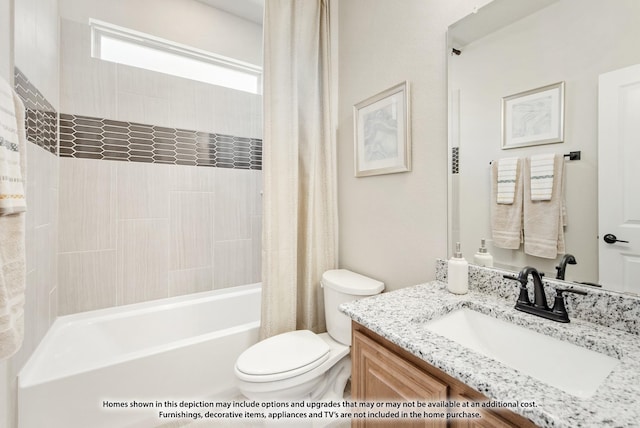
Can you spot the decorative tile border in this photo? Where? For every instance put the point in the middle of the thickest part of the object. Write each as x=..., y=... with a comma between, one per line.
x=41, y=117
x=455, y=160
x=96, y=138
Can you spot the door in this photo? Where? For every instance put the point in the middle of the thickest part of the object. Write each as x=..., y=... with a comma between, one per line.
x=619, y=179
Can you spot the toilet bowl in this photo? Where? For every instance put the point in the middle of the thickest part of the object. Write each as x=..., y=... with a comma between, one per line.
x=302, y=365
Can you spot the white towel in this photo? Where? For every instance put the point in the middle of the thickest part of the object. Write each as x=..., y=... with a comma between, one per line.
x=12, y=198
x=542, y=177
x=544, y=221
x=507, y=170
x=12, y=249
x=506, y=219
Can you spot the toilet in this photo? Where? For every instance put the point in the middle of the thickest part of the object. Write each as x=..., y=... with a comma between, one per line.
x=302, y=365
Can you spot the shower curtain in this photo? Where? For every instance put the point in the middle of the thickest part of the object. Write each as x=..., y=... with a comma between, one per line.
x=299, y=166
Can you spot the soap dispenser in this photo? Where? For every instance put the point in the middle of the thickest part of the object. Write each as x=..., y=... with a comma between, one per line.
x=458, y=273
x=482, y=257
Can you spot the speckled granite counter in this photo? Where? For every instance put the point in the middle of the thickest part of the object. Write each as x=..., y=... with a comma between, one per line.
x=400, y=317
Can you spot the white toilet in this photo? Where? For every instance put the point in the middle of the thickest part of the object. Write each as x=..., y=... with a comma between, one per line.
x=302, y=365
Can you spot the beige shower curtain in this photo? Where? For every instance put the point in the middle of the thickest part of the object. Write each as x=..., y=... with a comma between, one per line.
x=299, y=166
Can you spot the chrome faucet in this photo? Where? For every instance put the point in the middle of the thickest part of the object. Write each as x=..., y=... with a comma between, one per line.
x=539, y=306
x=562, y=266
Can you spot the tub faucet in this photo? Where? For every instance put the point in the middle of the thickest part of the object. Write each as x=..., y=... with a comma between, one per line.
x=562, y=266
x=539, y=306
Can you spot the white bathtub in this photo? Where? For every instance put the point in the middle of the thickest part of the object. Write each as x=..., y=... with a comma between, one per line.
x=171, y=349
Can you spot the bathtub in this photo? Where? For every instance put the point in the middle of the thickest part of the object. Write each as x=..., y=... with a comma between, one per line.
x=180, y=348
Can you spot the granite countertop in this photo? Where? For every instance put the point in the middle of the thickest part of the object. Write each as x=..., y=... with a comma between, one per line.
x=400, y=317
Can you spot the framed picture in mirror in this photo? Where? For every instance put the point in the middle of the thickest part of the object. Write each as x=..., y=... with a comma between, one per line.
x=381, y=132
x=533, y=117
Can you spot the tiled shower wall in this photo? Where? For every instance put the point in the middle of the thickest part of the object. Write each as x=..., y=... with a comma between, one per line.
x=160, y=181
x=131, y=231
x=34, y=46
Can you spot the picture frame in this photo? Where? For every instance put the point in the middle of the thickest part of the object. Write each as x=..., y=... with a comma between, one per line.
x=533, y=117
x=382, y=138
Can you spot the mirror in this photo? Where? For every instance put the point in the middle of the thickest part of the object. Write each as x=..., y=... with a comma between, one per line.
x=508, y=47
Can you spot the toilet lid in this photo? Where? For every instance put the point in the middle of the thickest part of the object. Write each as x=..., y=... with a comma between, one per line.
x=282, y=356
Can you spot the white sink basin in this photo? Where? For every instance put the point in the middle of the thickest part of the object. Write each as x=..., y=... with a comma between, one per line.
x=573, y=369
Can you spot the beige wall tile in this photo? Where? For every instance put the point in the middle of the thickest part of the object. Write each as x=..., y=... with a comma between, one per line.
x=190, y=230
x=87, y=206
x=30, y=219
x=87, y=85
x=143, y=260
x=87, y=281
x=234, y=204
x=142, y=190
x=182, y=104
x=190, y=281
x=139, y=81
x=192, y=178
x=45, y=275
x=46, y=178
x=256, y=249
x=232, y=263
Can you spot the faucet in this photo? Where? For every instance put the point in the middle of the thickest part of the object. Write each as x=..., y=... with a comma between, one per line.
x=562, y=266
x=539, y=306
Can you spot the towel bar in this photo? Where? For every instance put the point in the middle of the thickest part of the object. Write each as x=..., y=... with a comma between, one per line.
x=571, y=155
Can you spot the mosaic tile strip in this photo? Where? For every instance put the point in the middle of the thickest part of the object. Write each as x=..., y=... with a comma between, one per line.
x=41, y=117
x=455, y=160
x=96, y=138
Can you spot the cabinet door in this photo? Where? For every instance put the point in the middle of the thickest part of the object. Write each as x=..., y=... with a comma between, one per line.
x=381, y=375
x=489, y=419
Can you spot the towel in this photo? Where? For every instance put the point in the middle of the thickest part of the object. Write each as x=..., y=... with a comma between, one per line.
x=12, y=198
x=507, y=170
x=541, y=176
x=506, y=219
x=12, y=248
x=544, y=221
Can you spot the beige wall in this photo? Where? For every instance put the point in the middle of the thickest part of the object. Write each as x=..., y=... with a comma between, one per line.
x=6, y=39
x=392, y=227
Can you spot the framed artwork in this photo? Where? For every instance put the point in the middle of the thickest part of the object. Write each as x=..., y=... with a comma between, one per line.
x=533, y=117
x=381, y=131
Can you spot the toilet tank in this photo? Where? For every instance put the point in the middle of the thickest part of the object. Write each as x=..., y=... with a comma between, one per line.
x=341, y=286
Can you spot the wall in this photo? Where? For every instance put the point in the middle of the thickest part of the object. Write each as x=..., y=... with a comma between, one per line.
x=6, y=65
x=160, y=176
x=6, y=39
x=35, y=33
x=552, y=45
x=392, y=227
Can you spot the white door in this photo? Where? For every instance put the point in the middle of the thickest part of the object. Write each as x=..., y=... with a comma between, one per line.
x=619, y=179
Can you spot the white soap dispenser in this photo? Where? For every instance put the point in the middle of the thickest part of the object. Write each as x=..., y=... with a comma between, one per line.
x=458, y=273
x=482, y=257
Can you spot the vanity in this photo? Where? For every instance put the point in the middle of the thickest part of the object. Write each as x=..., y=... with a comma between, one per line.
x=409, y=346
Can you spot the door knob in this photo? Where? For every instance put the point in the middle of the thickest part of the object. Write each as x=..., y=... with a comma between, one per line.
x=610, y=238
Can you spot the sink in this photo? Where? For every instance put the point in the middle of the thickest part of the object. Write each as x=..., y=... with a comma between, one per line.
x=571, y=368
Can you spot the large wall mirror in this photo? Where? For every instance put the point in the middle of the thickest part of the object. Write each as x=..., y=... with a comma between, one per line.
x=508, y=47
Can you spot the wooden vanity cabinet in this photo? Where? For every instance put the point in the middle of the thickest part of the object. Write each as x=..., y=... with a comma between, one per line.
x=384, y=372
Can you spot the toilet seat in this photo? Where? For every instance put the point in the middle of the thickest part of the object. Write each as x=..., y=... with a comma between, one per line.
x=281, y=357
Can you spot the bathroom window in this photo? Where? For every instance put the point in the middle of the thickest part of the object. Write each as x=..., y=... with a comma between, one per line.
x=124, y=46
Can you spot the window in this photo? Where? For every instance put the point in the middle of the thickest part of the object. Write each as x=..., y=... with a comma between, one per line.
x=129, y=47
